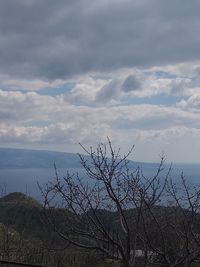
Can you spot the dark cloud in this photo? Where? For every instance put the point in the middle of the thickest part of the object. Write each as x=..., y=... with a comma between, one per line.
x=55, y=39
x=108, y=92
x=131, y=83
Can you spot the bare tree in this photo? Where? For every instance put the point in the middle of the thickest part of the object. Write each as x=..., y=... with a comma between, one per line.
x=173, y=231
x=105, y=211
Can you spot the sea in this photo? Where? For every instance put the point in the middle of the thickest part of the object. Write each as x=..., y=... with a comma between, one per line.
x=26, y=180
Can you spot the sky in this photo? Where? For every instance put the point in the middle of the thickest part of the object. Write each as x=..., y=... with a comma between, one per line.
x=79, y=71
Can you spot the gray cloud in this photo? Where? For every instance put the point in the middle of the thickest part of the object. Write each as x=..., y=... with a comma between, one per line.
x=109, y=91
x=112, y=90
x=131, y=84
x=180, y=86
x=56, y=39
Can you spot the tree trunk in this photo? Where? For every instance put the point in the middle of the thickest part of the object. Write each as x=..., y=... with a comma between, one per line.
x=126, y=264
x=187, y=263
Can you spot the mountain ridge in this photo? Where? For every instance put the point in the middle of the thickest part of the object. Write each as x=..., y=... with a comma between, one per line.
x=30, y=158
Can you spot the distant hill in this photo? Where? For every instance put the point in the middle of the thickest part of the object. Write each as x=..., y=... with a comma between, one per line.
x=24, y=158
x=21, y=169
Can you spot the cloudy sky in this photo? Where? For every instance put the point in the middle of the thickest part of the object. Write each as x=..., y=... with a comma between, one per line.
x=78, y=71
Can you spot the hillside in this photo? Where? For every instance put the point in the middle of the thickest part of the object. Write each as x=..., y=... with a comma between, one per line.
x=21, y=213
x=28, y=233
x=24, y=236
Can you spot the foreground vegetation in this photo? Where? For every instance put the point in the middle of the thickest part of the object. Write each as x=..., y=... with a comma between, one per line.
x=118, y=217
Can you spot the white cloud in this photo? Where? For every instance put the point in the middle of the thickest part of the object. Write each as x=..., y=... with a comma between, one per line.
x=85, y=90
x=30, y=85
x=46, y=121
x=192, y=103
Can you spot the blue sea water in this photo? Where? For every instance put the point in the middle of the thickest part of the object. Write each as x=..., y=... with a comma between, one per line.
x=25, y=180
